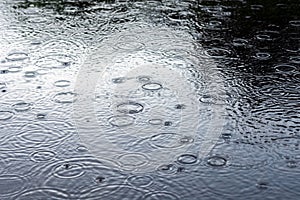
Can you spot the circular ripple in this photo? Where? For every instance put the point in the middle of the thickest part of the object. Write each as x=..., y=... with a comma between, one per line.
x=121, y=120
x=2, y=85
x=68, y=170
x=132, y=160
x=42, y=156
x=295, y=59
x=140, y=181
x=262, y=56
x=30, y=74
x=113, y=192
x=295, y=23
x=65, y=97
x=218, y=53
x=217, y=161
x=285, y=68
x=130, y=107
x=22, y=106
x=130, y=46
x=160, y=196
x=62, y=83
x=17, y=56
x=55, y=61
x=166, y=140
x=6, y=115
x=187, y=159
x=43, y=193
x=152, y=86
x=11, y=184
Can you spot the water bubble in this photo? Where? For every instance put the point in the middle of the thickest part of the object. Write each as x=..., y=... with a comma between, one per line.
x=62, y=83
x=65, y=97
x=187, y=159
x=152, y=86
x=217, y=161
x=6, y=115
x=130, y=107
x=121, y=120
x=22, y=106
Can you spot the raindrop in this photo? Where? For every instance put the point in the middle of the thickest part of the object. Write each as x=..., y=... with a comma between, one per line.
x=239, y=42
x=152, y=86
x=121, y=120
x=65, y=97
x=130, y=107
x=62, y=83
x=22, y=106
x=262, y=56
x=6, y=115
x=187, y=159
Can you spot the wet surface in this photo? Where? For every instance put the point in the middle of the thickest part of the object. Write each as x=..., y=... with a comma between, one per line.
x=149, y=99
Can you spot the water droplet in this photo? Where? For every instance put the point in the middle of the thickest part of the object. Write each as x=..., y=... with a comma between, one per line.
x=130, y=107
x=217, y=161
x=152, y=86
x=22, y=106
x=100, y=179
x=65, y=97
x=62, y=83
x=168, y=123
x=121, y=120
x=187, y=159
x=6, y=115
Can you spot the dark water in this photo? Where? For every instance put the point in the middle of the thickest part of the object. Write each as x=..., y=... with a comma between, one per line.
x=149, y=99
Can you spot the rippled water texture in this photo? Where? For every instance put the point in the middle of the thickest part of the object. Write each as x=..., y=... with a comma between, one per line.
x=149, y=99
